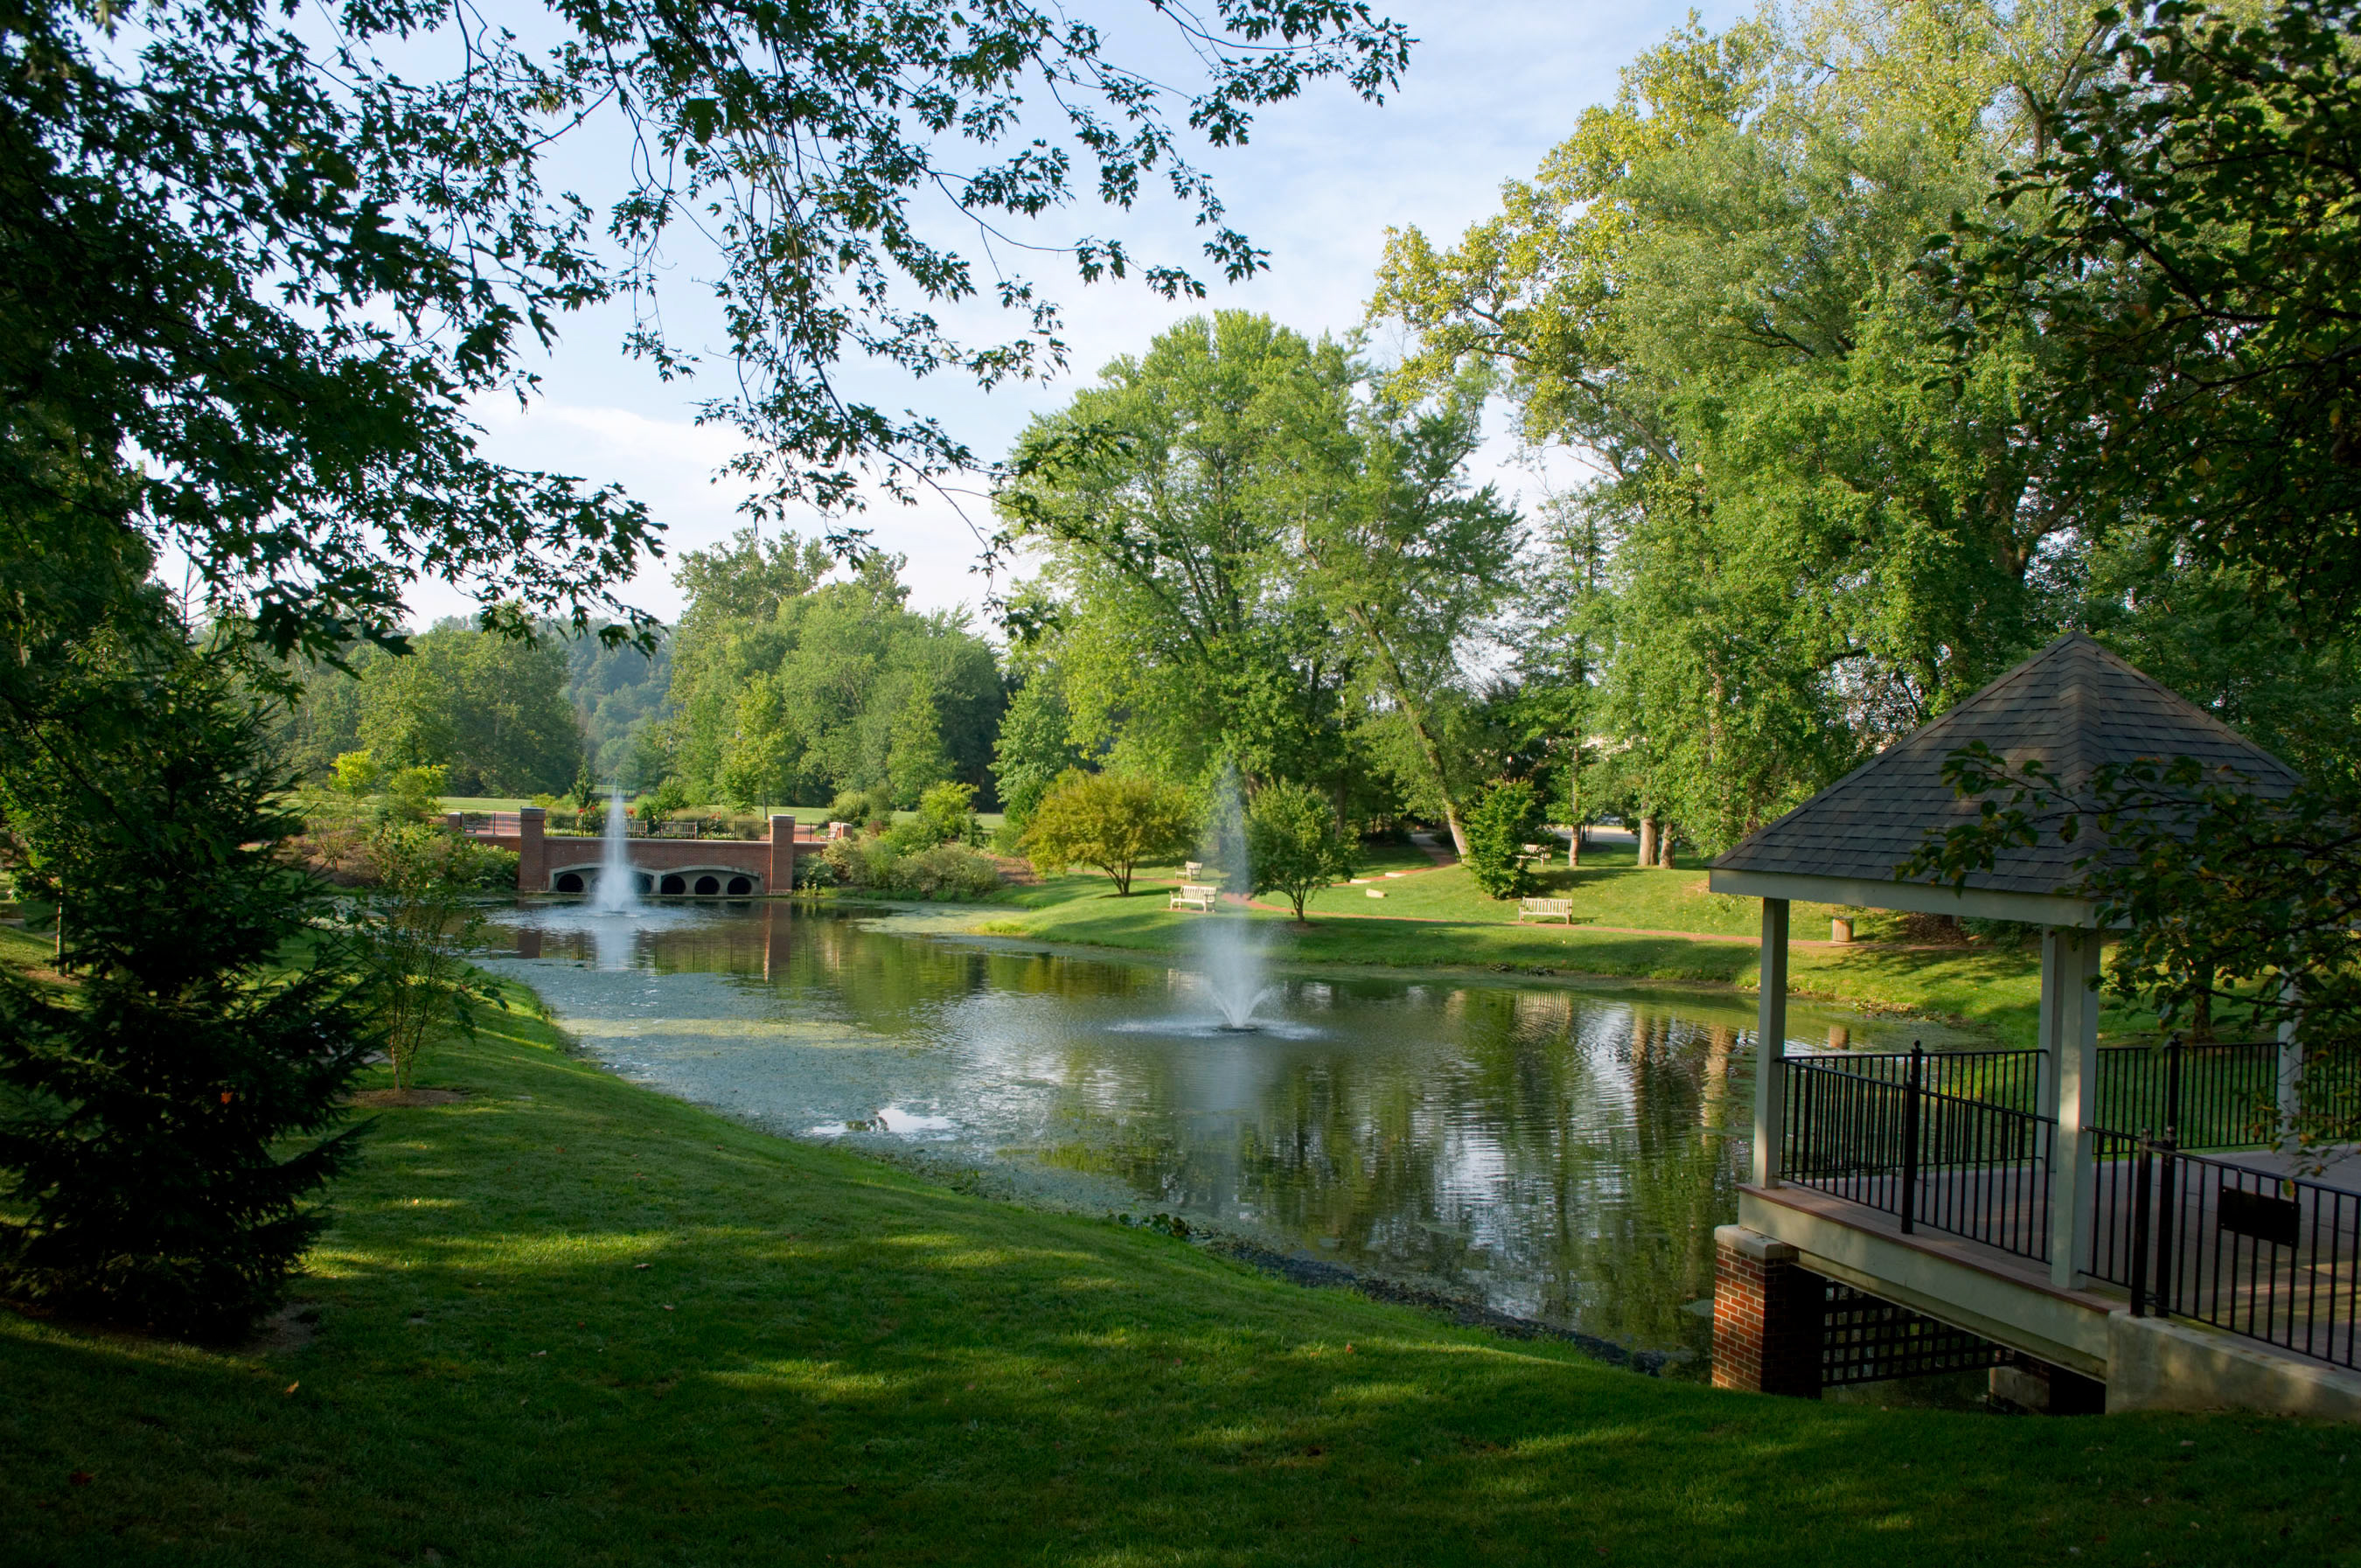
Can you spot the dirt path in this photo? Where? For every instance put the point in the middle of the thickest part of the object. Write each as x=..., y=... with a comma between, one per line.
x=1434, y=851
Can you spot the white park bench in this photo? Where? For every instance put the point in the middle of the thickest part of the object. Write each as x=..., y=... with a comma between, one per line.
x=1194, y=895
x=1545, y=909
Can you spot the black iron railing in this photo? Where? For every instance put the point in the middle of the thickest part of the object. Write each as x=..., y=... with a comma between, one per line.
x=1937, y=1141
x=1954, y=1142
x=2220, y=1094
x=2269, y=1257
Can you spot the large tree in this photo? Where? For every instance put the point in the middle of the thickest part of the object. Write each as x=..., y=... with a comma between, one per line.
x=491, y=710
x=1411, y=561
x=1167, y=505
x=2187, y=240
x=1248, y=557
x=1822, y=536
x=279, y=270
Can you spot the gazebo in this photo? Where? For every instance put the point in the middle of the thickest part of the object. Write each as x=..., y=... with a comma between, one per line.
x=2019, y=1273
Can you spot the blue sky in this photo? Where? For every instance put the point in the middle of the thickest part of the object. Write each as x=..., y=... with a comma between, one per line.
x=1491, y=89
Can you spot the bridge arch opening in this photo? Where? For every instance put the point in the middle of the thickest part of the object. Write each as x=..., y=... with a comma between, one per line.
x=569, y=882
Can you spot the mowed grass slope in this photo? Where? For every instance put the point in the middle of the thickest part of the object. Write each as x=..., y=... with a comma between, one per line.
x=568, y=1322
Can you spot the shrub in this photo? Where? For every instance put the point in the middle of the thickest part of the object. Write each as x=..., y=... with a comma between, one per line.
x=1504, y=821
x=948, y=811
x=662, y=802
x=1294, y=845
x=1112, y=821
x=947, y=871
x=907, y=838
x=412, y=794
x=848, y=861
x=495, y=868
x=940, y=870
x=873, y=805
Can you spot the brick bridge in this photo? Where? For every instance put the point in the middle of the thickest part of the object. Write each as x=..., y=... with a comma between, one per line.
x=550, y=863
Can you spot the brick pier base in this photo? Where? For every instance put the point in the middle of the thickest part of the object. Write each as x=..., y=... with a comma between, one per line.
x=1766, y=1316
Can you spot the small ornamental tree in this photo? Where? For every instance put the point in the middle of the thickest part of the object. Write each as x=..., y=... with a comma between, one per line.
x=1112, y=821
x=357, y=772
x=1504, y=821
x=419, y=926
x=1294, y=844
x=168, y=1112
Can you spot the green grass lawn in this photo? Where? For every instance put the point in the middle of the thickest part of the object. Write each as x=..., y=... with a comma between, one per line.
x=1437, y=917
x=1609, y=889
x=565, y=1321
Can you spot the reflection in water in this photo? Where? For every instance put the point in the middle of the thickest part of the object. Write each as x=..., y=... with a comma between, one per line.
x=1566, y=1153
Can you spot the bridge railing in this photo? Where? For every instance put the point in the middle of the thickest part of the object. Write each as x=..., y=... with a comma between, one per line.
x=593, y=824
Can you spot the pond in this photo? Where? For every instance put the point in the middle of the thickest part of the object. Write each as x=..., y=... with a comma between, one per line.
x=1559, y=1152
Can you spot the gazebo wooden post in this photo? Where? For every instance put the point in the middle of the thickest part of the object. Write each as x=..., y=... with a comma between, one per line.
x=2070, y=1047
x=1770, y=1045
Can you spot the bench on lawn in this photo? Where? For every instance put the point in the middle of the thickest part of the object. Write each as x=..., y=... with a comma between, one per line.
x=1545, y=909
x=1194, y=895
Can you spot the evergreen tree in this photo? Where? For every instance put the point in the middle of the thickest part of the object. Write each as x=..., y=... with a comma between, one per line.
x=173, y=1099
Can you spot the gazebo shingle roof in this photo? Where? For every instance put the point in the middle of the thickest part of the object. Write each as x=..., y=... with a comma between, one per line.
x=2074, y=706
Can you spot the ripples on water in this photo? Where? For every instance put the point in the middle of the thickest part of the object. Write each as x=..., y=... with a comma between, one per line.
x=1564, y=1153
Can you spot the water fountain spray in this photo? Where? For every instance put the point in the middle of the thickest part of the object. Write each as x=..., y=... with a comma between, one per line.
x=1230, y=945
x=618, y=881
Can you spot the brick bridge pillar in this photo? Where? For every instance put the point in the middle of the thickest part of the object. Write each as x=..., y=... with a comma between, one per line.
x=1766, y=1316
x=783, y=856
x=533, y=851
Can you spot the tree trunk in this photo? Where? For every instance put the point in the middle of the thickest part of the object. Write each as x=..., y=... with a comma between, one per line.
x=1573, y=812
x=1411, y=711
x=1664, y=845
x=1647, y=841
